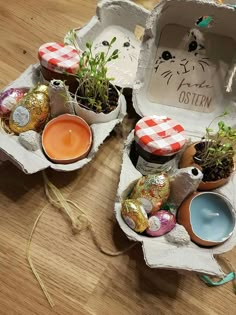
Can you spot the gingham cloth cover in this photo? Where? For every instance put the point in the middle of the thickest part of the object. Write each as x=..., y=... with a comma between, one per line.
x=59, y=57
x=159, y=135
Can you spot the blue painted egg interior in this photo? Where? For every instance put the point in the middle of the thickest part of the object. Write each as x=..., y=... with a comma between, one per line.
x=211, y=217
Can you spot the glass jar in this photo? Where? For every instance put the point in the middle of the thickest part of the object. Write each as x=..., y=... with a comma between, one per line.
x=59, y=62
x=157, y=140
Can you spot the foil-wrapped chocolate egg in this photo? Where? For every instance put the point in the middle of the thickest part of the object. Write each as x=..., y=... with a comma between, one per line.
x=134, y=215
x=9, y=99
x=152, y=191
x=32, y=112
x=161, y=223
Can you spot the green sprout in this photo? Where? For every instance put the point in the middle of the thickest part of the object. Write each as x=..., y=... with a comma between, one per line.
x=93, y=81
x=217, y=149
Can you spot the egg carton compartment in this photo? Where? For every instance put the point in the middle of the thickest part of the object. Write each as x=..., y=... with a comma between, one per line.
x=124, y=20
x=31, y=162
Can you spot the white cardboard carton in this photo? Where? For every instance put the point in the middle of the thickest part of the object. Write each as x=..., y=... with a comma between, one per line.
x=199, y=94
x=32, y=162
x=119, y=18
x=178, y=57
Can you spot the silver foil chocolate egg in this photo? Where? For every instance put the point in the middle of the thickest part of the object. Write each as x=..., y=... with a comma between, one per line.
x=152, y=191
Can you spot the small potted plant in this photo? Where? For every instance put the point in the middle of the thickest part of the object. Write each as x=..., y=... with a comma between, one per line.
x=214, y=155
x=96, y=98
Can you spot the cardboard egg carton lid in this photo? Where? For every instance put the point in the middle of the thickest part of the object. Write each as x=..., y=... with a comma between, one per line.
x=186, y=71
x=120, y=18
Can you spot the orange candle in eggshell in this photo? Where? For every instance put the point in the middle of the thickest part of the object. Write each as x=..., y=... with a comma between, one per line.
x=66, y=139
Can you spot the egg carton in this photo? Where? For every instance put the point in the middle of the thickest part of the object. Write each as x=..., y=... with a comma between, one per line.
x=118, y=18
x=161, y=252
x=183, y=72
x=124, y=20
x=114, y=18
x=31, y=162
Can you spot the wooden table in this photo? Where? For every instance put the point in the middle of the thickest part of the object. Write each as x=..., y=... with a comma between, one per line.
x=80, y=279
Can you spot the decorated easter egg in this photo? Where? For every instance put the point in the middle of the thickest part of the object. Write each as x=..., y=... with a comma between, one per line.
x=161, y=223
x=134, y=215
x=152, y=191
x=9, y=98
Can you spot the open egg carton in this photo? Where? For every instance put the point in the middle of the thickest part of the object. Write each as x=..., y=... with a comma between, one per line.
x=119, y=18
x=33, y=161
x=114, y=18
x=184, y=70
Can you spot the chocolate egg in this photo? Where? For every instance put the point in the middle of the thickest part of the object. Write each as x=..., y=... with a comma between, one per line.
x=161, y=223
x=9, y=98
x=134, y=215
x=152, y=191
x=32, y=112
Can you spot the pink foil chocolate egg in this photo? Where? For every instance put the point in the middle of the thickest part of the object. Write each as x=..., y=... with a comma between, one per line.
x=9, y=98
x=161, y=223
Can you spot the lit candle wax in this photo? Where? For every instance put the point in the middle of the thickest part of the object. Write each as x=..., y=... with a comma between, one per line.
x=66, y=139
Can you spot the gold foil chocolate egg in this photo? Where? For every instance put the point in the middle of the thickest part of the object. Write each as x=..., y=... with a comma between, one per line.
x=134, y=215
x=152, y=191
x=31, y=112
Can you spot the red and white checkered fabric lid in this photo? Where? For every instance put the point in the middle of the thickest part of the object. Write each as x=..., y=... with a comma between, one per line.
x=59, y=57
x=159, y=135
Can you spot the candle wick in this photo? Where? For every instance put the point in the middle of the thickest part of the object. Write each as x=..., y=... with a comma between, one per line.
x=69, y=137
x=216, y=214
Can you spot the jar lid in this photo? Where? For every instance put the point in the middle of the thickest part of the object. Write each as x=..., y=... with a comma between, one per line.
x=159, y=135
x=59, y=57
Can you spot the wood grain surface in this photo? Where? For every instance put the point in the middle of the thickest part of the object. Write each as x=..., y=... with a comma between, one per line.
x=80, y=279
